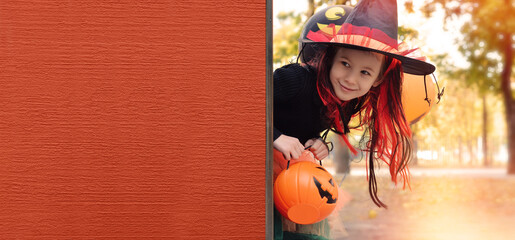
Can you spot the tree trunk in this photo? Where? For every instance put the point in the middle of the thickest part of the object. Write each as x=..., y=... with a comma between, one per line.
x=471, y=152
x=486, y=161
x=342, y=157
x=414, y=138
x=311, y=8
x=511, y=139
x=460, y=152
x=509, y=102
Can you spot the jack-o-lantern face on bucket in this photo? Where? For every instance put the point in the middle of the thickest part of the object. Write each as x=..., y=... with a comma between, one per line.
x=326, y=186
x=305, y=193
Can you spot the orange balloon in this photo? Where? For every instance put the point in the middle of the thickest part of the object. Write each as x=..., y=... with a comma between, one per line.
x=413, y=95
x=305, y=193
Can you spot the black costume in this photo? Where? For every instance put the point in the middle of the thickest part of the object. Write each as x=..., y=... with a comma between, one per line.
x=298, y=109
x=298, y=112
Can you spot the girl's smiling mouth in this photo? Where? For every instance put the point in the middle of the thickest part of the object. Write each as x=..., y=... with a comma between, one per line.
x=346, y=88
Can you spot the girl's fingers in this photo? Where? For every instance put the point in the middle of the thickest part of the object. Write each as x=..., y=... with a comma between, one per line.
x=308, y=143
x=322, y=155
x=320, y=149
x=322, y=146
x=293, y=148
x=300, y=148
x=318, y=144
x=295, y=155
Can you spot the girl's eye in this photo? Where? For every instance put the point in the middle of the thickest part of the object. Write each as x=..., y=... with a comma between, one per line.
x=345, y=64
x=365, y=72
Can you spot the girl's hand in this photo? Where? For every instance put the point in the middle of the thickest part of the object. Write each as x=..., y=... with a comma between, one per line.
x=318, y=148
x=289, y=146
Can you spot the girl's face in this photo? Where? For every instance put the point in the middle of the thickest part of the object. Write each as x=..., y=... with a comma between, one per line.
x=354, y=72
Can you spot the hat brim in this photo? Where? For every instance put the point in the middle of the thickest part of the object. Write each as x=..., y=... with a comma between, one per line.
x=409, y=65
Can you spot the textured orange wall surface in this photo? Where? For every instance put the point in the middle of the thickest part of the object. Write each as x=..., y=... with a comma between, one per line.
x=132, y=119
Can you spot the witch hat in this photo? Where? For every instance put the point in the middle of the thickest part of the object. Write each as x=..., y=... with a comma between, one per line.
x=328, y=20
x=372, y=26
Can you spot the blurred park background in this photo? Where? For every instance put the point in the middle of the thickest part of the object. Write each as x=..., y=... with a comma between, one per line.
x=463, y=170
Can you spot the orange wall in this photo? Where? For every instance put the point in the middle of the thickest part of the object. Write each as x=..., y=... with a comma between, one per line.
x=132, y=120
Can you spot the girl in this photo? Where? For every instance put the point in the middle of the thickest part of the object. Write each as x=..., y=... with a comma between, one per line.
x=353, y=66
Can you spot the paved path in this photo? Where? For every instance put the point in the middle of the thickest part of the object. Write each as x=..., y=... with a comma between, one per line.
x=443, y=204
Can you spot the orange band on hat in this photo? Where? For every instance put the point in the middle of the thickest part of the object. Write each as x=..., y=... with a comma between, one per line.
x=364, y=37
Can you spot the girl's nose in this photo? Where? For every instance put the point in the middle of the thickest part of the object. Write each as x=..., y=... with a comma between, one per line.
x=351, y=77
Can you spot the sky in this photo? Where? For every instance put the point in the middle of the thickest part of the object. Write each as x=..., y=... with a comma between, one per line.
x=431, y=31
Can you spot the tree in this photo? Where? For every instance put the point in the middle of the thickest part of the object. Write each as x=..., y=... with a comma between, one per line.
x=488, y=46
x=286, y=36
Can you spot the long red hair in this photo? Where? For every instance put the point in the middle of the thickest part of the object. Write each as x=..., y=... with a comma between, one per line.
x=387, y=136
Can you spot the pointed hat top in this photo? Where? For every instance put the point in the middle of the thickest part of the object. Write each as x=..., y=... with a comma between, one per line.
x=376, y=14
x=372, y=26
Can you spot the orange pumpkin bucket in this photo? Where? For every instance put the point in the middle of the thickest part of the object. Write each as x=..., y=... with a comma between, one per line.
x=305, y=193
